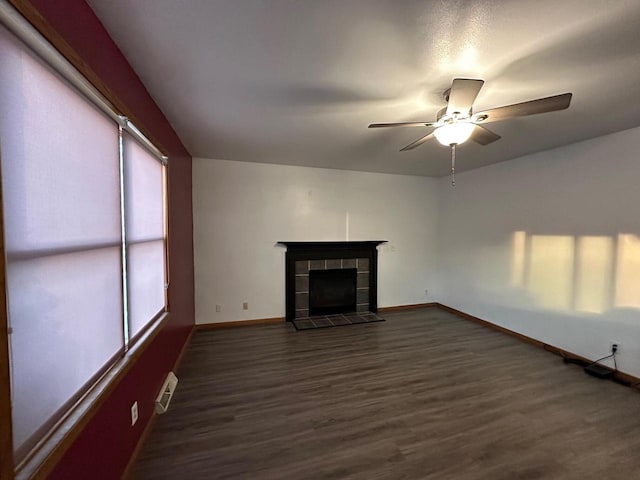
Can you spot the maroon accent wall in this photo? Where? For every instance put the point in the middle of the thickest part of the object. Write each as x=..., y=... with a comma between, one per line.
x=104, y=447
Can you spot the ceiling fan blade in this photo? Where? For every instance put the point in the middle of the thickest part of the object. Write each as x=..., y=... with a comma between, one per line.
x=405, y=124
x=541, y=105
x=484, y=136
x=462, y=95
x=418, y=142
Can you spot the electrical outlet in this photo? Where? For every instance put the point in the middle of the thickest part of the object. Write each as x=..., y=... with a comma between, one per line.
x=245, y=305
x=218, y=308
x=134, y=413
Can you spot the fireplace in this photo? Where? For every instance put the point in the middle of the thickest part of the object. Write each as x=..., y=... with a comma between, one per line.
x=346, y=274
x=332, y=291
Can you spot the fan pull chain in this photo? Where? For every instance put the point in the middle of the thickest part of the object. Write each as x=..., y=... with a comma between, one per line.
x=453, y=164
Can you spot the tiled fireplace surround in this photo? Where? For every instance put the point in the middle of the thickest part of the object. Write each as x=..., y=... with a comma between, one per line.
x=302, y=281
x=303, y=257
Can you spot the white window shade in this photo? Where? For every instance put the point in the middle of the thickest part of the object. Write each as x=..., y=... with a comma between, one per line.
x=145, y=237
x=55, y=146
x=61, y=199
x=66, y=328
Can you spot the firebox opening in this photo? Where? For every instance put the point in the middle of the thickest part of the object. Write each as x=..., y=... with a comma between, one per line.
x=332, y=291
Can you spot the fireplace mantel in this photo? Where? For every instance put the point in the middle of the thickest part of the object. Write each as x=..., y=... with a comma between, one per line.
x=334, y=246
x=328, y=251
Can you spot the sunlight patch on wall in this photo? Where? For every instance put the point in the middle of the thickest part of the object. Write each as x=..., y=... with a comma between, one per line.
x=580, y=273
x=518, y=250
x=550, y=277
x=628, y=271
x=593, y=277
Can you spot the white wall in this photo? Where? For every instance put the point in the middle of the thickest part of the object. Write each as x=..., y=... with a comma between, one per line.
x=547, y=245
x=241, y=210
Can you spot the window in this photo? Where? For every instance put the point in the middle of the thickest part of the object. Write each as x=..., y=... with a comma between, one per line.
x=85, y=243
x=145, y=234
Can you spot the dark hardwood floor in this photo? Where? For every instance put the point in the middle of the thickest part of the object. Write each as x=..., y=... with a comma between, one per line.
x=424, y=395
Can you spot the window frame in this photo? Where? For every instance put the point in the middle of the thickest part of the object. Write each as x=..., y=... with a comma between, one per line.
x=25, y=22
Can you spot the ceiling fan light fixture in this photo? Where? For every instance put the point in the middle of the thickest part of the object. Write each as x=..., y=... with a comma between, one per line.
x=454, y=133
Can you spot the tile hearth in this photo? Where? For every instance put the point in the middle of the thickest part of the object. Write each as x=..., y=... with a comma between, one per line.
x=323, y=321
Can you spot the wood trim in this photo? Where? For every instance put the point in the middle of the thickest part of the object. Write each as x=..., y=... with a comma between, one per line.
x=399, y=308
x=154, y=416
x=183, y=350
x=44, y=457
x=493, y=326
x=33, y=16
x=128, y=471
x=241, y=323
x=6, y=434
x=632, y=381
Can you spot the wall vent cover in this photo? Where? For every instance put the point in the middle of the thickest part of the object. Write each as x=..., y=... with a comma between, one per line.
x=164, y=397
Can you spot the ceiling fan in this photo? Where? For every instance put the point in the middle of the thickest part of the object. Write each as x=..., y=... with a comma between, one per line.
x=457, y=123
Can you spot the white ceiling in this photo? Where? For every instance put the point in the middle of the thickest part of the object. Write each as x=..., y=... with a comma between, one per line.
x=298, y=81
